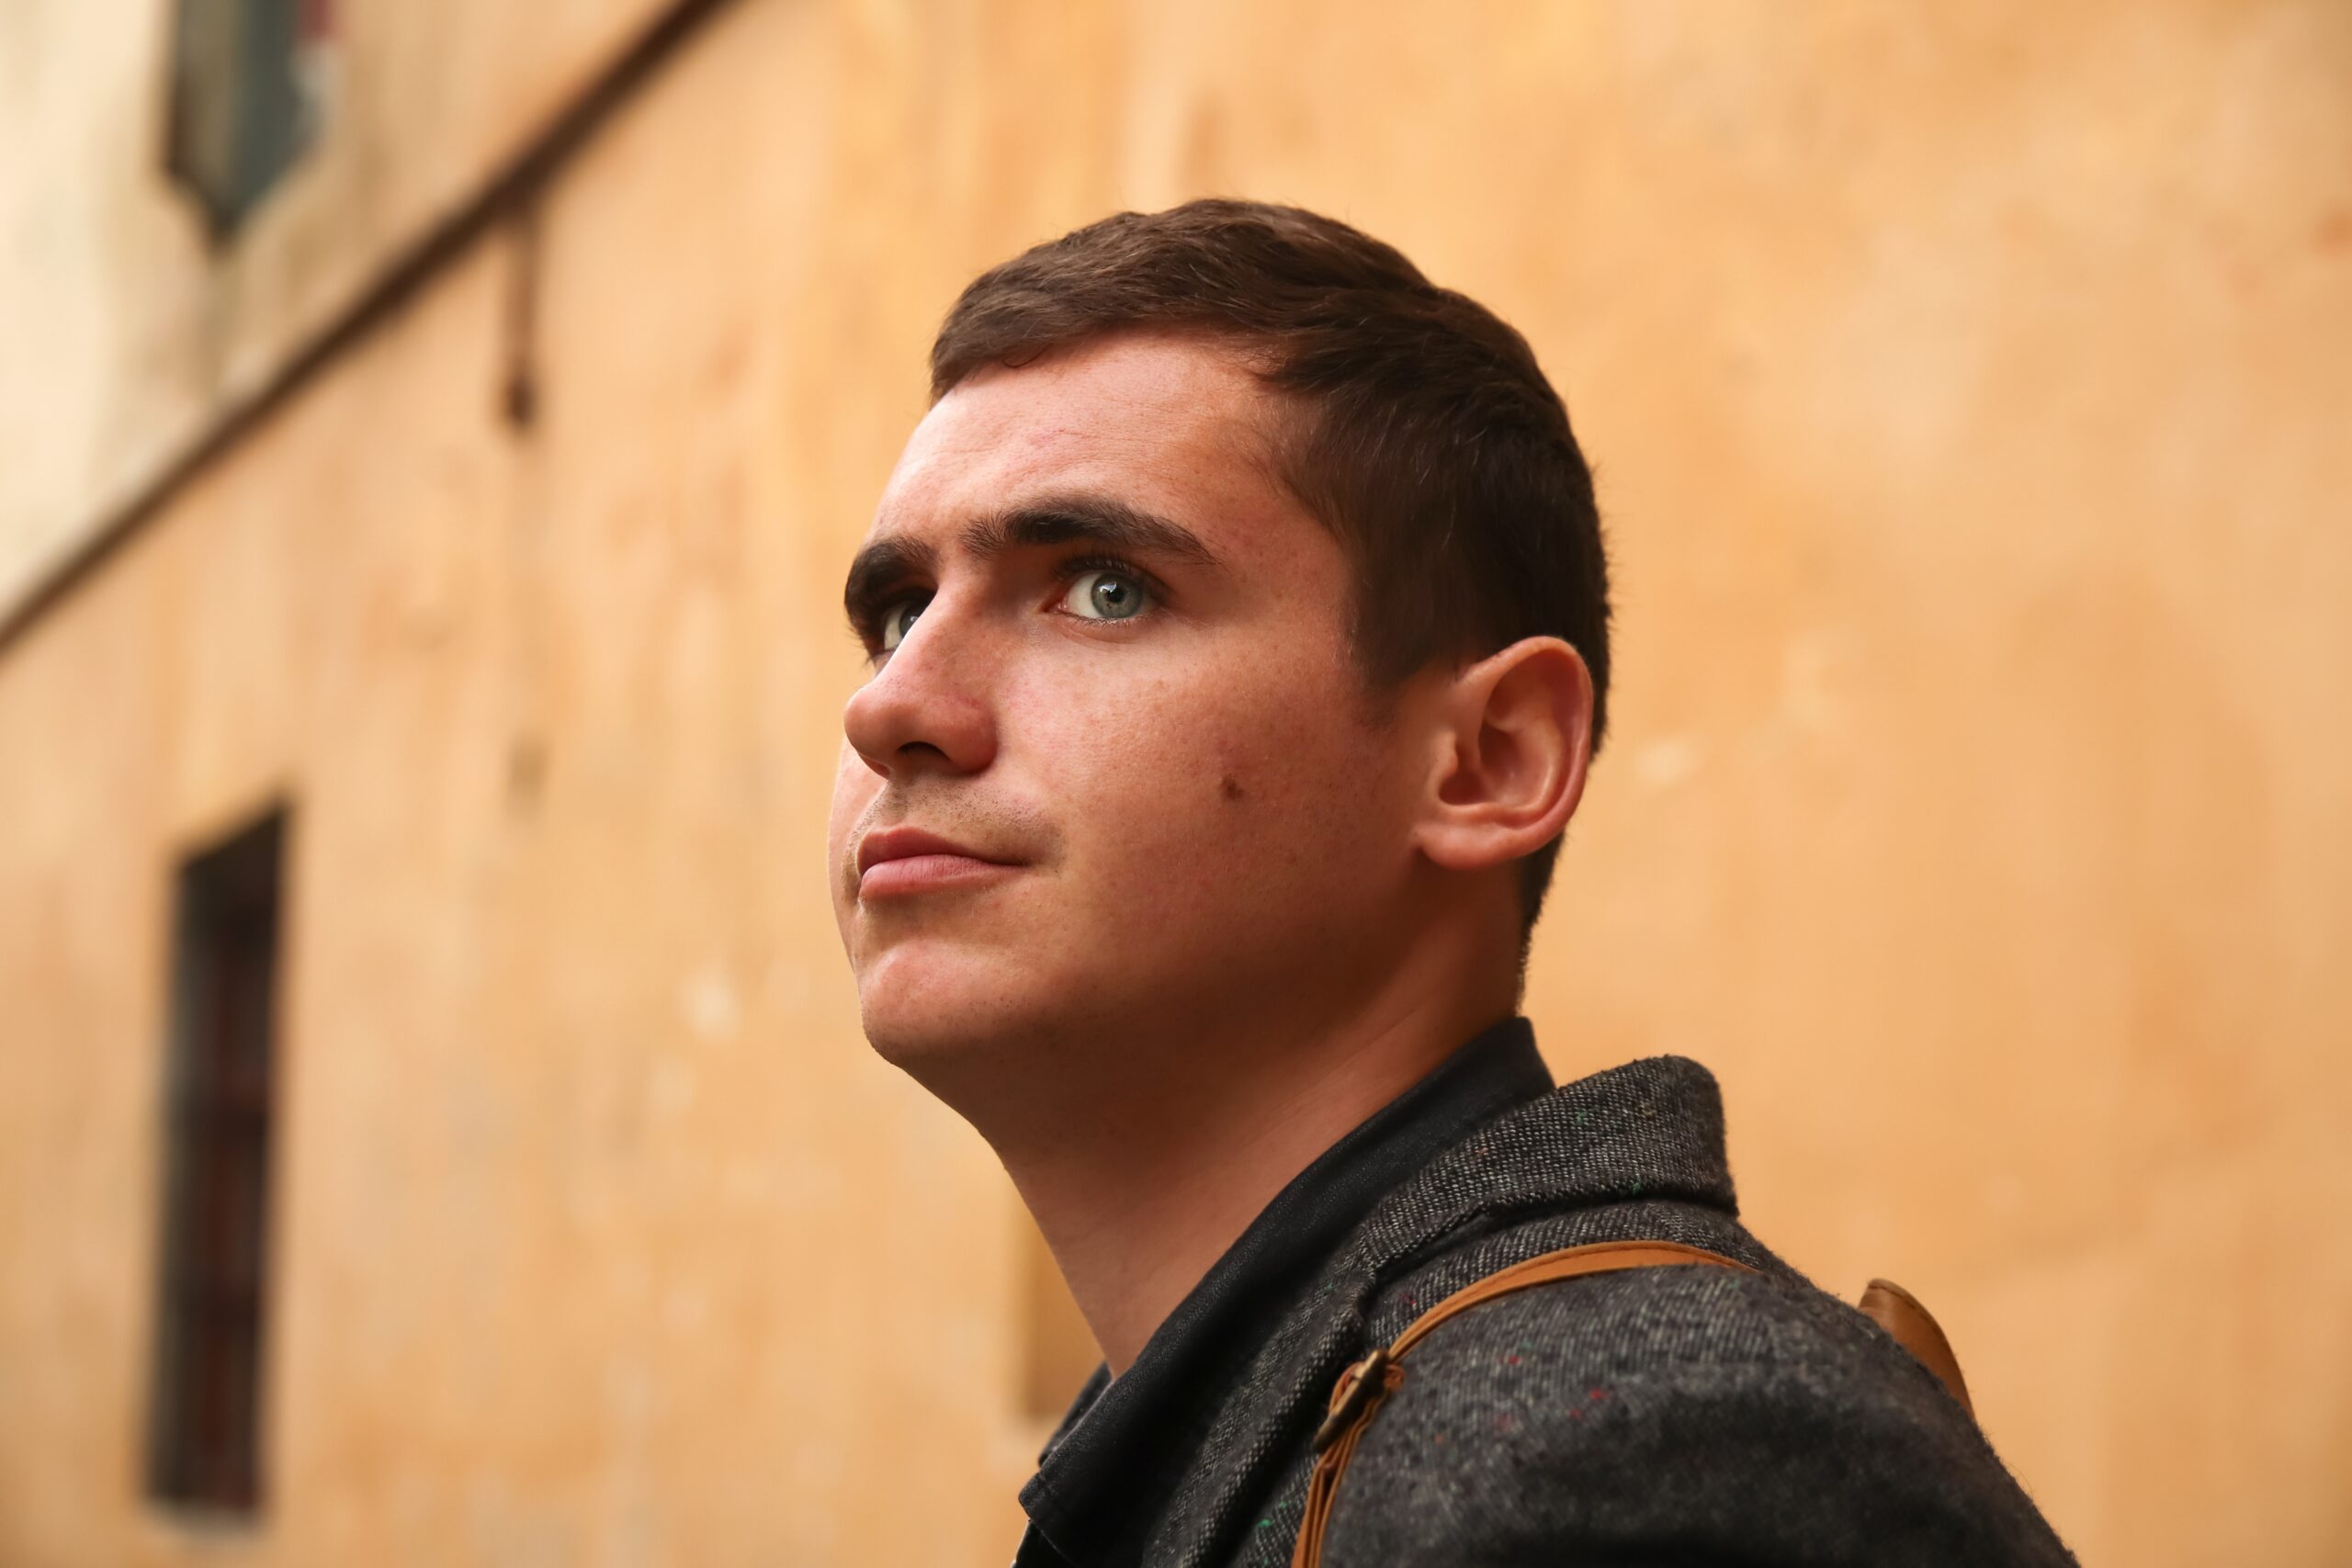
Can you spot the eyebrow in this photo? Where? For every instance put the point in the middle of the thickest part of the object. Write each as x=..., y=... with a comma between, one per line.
x=1097, y=519
x=877, y=571
x=874, y=574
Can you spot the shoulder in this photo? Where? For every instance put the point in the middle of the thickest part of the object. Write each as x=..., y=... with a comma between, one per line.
x=1692, y=1411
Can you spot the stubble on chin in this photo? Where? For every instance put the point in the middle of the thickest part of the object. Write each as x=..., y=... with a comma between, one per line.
x=991, y=1056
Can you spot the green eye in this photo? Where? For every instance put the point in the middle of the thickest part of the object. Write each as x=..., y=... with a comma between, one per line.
x=1105, y=596
x=899, y=620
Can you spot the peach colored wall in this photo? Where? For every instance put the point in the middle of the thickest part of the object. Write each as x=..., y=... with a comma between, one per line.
x=125, y=333
x=1969, y=395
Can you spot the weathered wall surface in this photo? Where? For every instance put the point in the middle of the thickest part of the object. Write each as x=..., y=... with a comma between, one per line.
x=124, y=333
x=1968, y=395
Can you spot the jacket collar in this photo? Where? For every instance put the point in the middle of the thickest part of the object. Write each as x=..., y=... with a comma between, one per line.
x=1650, y=1130
x=1127, y=1445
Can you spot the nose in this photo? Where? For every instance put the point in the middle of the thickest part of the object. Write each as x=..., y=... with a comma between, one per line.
x=927, y=709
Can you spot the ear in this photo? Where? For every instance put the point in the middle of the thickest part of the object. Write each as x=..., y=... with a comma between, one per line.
x=1515, y=739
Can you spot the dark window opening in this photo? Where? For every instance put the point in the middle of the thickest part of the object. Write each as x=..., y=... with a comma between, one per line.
x=248, y=85
x=205, y=1425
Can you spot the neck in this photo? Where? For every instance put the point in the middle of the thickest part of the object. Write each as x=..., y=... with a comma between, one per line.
x=1140, y=1188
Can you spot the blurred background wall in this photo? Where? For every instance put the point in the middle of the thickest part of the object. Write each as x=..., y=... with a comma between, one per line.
x=465, y=478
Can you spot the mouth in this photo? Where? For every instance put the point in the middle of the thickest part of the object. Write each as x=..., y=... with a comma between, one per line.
x=903, y=861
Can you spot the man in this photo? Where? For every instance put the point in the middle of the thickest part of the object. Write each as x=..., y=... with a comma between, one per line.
x=1239, y=627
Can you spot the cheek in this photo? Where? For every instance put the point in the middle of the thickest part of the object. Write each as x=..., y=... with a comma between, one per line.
x=1247, y=779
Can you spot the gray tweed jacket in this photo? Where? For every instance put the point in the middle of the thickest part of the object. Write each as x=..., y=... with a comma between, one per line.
x=1667, y=1416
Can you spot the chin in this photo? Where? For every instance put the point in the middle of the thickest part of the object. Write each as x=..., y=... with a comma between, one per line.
x=927, y=1011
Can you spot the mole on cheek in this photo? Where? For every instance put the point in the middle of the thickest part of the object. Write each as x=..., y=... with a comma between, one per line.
x=1230, y=787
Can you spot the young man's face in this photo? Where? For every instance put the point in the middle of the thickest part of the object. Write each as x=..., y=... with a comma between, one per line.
x=1114, y=777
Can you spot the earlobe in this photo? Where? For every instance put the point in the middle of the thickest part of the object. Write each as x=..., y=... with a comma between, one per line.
x=1517, y=742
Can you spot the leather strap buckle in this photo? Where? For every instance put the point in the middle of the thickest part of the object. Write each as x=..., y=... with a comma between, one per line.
x=1358, y=1386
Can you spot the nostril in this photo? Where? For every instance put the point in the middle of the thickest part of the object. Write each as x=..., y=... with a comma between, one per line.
x=921, y=748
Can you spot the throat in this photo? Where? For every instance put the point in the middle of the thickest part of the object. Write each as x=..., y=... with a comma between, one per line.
x=1139, y=1194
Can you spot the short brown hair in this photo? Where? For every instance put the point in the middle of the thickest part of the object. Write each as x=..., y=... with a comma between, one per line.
x=1430, y=442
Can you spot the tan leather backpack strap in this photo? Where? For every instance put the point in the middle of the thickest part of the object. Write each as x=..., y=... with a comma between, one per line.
x=1915, y=1328
x=1363, y=1386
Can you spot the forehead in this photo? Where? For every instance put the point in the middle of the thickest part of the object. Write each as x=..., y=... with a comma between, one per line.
x=1175, y=426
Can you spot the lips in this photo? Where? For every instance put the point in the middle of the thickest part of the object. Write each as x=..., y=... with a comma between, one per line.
x=900, y=860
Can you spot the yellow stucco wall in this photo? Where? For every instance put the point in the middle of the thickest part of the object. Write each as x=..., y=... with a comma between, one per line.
x=127, y=333
x=1969, y=395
